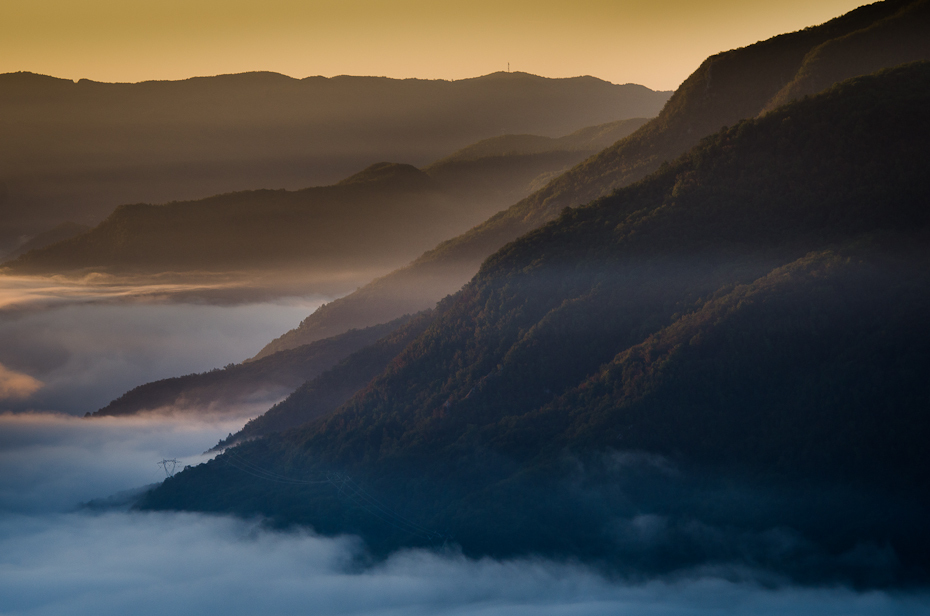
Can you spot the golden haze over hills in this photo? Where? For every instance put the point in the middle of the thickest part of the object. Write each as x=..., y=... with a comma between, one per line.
x=655, y=43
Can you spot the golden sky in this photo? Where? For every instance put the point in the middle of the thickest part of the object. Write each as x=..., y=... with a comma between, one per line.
x=653, y=42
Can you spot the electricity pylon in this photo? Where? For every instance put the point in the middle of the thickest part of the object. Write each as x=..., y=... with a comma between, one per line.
x=170, y=466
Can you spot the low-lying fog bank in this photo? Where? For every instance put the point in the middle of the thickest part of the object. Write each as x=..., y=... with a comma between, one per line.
x=56, y=558
x=158, y=564
x=72, y=346
x=50, y=463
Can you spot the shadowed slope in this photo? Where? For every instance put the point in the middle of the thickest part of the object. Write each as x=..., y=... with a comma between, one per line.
x=898, y=39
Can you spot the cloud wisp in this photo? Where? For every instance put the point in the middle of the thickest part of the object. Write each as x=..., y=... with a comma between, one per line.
x=16, y=385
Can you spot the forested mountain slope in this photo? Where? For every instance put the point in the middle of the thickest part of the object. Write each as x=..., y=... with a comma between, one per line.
x=729, y=351
x=726, y=88
x=897, y=39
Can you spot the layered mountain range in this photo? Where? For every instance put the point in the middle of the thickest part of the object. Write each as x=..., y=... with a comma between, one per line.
x=720, y=362
x=374, y=220
x=73, y=151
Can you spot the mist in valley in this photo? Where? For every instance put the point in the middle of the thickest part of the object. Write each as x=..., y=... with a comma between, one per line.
x=70, y=348
x=58, y=556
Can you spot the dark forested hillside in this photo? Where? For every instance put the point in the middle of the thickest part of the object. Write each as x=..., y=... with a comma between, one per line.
x=725, y=89
x=722, y=363
x=75, y=150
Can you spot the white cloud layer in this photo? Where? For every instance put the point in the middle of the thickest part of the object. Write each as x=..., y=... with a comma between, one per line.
x=51, y=463
x=180, y=564
x=16, y=385
x=53, y=562
x=88, y=344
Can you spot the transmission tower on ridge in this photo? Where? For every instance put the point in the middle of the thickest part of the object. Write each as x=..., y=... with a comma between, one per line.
x=170, y=466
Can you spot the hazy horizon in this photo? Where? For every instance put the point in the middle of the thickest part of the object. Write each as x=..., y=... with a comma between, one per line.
x=336, y=76
x=653, y=44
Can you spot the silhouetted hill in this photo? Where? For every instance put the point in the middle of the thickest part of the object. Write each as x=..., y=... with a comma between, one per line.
x=74, y=151
x=722, y=364
x=219, y=391
x=365, y=221
x=589, y=139
x=59, y=233
x=726, y=88
x=383, y=215
x=501, y=170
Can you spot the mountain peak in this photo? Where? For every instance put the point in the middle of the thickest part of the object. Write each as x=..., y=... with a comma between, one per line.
x=385, y=172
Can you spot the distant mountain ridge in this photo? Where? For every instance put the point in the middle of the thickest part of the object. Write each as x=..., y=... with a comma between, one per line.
x=590, y=138
x=381, y=216
x=59, y=233
x=726, y=88
x=353, y=224
x=74, y=151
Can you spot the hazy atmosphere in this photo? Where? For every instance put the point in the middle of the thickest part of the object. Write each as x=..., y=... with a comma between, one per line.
x=375, y=307
x=72, y=347
x=656, y=44
x=95, y=561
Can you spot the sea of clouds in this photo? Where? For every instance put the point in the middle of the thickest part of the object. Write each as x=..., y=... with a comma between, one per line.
x=65, y=548
x=59, y=558
x=73, y=346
